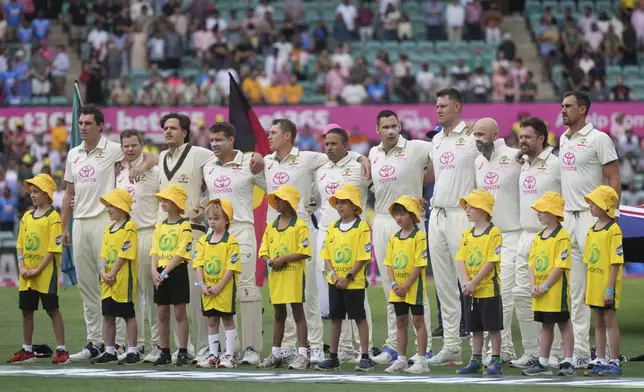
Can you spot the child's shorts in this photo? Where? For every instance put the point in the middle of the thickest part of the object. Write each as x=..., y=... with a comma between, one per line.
x=112, y=308
x=346, y=303
x=551, y=317
x=483, y=314
x=175, y=289
x=28, y=300
x=603, y=308
x=216, y=313
x=403, y=309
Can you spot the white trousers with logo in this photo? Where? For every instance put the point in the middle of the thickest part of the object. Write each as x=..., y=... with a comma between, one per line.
x=384, y=226
x=145, y=295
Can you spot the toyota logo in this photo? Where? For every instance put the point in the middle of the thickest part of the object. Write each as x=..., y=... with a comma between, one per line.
x=280, y=178
x=529, y=182
x=569, y=158
x=386, y=171
x=86, y=171
x=222, y=181
x=131, y=190
x=447, y=158
x=491, y=178
x=331, y=188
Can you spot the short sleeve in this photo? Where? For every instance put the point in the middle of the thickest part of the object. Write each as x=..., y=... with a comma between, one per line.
x=461, y=255
x=587, y=247
x=263, y=248
x=494, y=248
x=116, y=152
x=68, y=177
x=563, y=254
x=324, y=253
x=203, y=155
x=233, y=263
x=199, y=252
x=616, y=247
x=184, y=244
x=364, y=246
x=55, y=234
x=420, y=250
x=155, y=240
x=20, y=241
x=104, y=242
x=303, y=245
x=315, y=160
x=605, y=149
x=390, y=251
x=532, y=256
x=129, y=248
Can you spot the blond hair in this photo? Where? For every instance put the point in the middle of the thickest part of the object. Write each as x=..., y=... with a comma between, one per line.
x=215, y=210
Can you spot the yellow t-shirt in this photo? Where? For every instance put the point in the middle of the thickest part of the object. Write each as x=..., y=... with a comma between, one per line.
x=170, y=239
x=293, y=93
x=38, y=236
x=399, y=251
x=252, y=89
x=475, y=251
x=58, y=138
x=273, y=95
x=345, y=248
x=603, y=249
x=286, y=286
x=216, y=258
x=121, y=242
x=547, y=254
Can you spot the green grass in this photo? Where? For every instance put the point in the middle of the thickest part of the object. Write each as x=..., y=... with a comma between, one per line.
x=11, y=330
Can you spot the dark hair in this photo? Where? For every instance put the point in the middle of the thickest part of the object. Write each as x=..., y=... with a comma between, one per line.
x=399, y=209
x=130, y=133
x=184, y=123
x=287, y=126
x=539, y=126
x=452, y=93
x=223, y=126
x=91, y=109
x=384, y=114
x=582, y=98
x=338, y=131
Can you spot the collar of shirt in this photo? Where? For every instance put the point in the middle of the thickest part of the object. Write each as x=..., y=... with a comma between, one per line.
x=459, y=128
x=102, y=143
x=236, y=161
x=583, y=132
x=341, y=162
x=401, y=143
x=499, y=146
x=290, y=224
x=294, y=152
x=178, y=151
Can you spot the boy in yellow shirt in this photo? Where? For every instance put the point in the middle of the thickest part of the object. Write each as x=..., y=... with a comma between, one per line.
x=346, y=252
x=478, y=260
x=171, y=251
x=217, y=264
x=118, y=266
x=39, y=248
x=604, y=255
x=406, y=262
x=286, y=248
x=549, y=266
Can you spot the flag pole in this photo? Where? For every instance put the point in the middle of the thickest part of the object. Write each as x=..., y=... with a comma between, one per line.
x=77, y=91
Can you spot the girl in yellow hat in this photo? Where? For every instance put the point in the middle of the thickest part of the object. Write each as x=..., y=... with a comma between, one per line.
x=285, y=248
x=604, y=255
x=118, y=266
x=39, y=248
x=217, y=264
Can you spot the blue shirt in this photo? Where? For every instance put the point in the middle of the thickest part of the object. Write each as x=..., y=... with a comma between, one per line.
x=13, y=14
x=41, y=28
x=377, y=91
x=9, y=78
x=308, y=143
x=25, y=35
x=7, y=210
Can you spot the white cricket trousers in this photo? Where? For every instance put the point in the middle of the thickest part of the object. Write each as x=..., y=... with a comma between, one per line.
x=384, y=226
x=446, y=225
x=145, y=296
x=311, y=306
x=87, y=239
x=349, y=328
x=530, y=329
x=577, y=224
x=508, y=283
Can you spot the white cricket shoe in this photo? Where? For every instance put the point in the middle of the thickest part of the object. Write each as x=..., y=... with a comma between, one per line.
x=526, y=361
x=580, y=362
x=317, y=356
x=554, y=360
x=88, y=352
x=208, y=362
x=227, y=362
x=251, y=357
x=397, y=367
x=419, y=367
x=386, y=356
x=446, y=357
x=348, y=357
x=153, y=355
x=301, y=362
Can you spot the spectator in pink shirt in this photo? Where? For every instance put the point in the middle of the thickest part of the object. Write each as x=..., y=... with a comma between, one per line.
x=473, y=21
x=203, y=39
x=637, y=20
x=335, y=82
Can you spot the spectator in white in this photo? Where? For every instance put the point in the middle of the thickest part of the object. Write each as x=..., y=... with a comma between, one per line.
x=40, y=70
x=617, y=127
x=354, y=93
x=594, y=38
x=262, y=9
x=400, y=67
x=425, y=83
x=461, y=73
x=632, y=196
x=621, y=92
x=434, y=10
x=223, y=78
x=637, y=20
x=586, y=20
x=519, y=73
x=455, y=19
x=629, y=143
x=443, y=80
x=98, y=38
x=390, y=23
x=156, y=47
x=603, y=22
x=479, y=85
x=335, y=83
x=500, y=62
x=349, y=14
x=121, y=94
x=295, y=9
x=586, y=63
x=284, y=50
x=364, y=21
x=384, y=5
x=137, y=9
x=202, y=40
x=215, y=21
x=343, y=57
x=180, y=21
x=493, y=21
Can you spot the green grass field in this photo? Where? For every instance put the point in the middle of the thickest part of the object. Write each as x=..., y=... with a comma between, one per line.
x=10, y=329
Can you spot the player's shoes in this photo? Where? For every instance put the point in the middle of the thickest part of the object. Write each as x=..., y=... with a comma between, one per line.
x=61, y=357
x=153, y=355
x=183, y=359
x=595, y=371
x=164, y=359
x=348, y=357
x=566, y=369
x=537, y=370
x=104, y=358
x=251, y=357
x=130, y=359
x=190, y=357
x=328, y=364
x=554, y=360
x=23, y=356
x=525, y=362
x=210, y=361
x=227, y=362
x=593, y=362
x=301, y=362
x=88, y=352
x=317, y=356
x=415, y=357
x=397, y=367
x=505, y=358
x=121, y=351
x=445, y=357
x=270, y=362
x=494, y=368
x=365, y=365
x=612, y=369
x=418, y=368
x=580, y=362
x=386, y=356
x=464, y=335
x=472, y=367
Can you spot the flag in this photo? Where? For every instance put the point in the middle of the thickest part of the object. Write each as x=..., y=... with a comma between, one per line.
x=250, y=136
x=67, y=265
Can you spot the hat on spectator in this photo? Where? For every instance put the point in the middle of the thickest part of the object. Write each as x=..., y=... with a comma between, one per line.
x=330, y=127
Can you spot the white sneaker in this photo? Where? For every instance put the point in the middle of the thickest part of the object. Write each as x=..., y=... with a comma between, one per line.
x=317, y=356
x=251, y=357
x=210, y=361
x=419, y=367
x=88, y=352
x=153, y=355
x=301, y=362
x=397, y=367
x=121, y=352
x=384, y=358
x=201, y=357
x=526, y=361
x=270, y=362
x=348, y=357
x=445, y=357
x=580, y=362
x=227, y=362
x=554, y=360
x=593, y=363
x=288, y=356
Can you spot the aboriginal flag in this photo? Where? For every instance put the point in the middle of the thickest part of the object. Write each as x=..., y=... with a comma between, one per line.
x=250, y=136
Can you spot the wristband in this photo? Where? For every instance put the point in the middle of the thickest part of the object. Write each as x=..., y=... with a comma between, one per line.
x=544, y=287
x=101, y=266
x=21, y=258
x=201, y=285
x=610, y=292
x=164, y=274
x=393, y=284
x=268, y=262
x=616, y=213
x=332, y=273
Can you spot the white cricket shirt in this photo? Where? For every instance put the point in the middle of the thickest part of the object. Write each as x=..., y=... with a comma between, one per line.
x=146, y=207
x=536, y=178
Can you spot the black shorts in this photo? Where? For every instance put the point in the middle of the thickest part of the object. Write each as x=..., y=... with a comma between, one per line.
x=175, y=289
x=403, y=308
x=483, y=314
x=28, y=300
x=112, y=308
x=216, y=313
x=551, y=317
x=603, y=308
x=346, y=304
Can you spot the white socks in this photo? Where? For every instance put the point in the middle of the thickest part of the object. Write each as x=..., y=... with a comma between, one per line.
x=133, y=350
x=402, y=358
x=544, y=362
x=568, y=359
x=213, y=344
x=60, y=347
x=276, y=351
x=231, y=340
x=110, y=350
x=303, y=351
x=28, y=347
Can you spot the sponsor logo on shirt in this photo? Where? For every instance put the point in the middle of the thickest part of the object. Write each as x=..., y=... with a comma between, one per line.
x=342, y=254
x=234, y=258
x=305, y=243
x=564, y=255
x=59, y=240
x=620, y=250
x=491, y=179
x=425, y=254
x=475, y=257
x=387, y=174
x=530, y=185
x=222, y=184
x=569, y=160
x=400, y=260
x=446, y=160
x=367, y=248
x=212, y=266
x=86, y=174
x=542, y=262
x=280, y=178
x=331, y=188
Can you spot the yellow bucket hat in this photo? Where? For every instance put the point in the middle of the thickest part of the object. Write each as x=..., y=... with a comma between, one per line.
x=411, y=204
x=550, y=202
x=347, y=192
x=119, y=198
x=176, y=194
x=605, y=198
x=287, y=193
x=44, y=182
x=225, y=206
x=479, y=199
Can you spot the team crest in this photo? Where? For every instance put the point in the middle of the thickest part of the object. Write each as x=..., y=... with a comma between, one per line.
x=367, y=248
x=504, y=160
x=305, y=243
x=59, y=240
x=183, y=179
x=346, y=172
x=620, y=250
x=425, y=254
x=234, y=258
x=564, y=255
x=497, y=250
x=189, y=247
x=460, y=142
x=126, y=245
x=100, y=154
